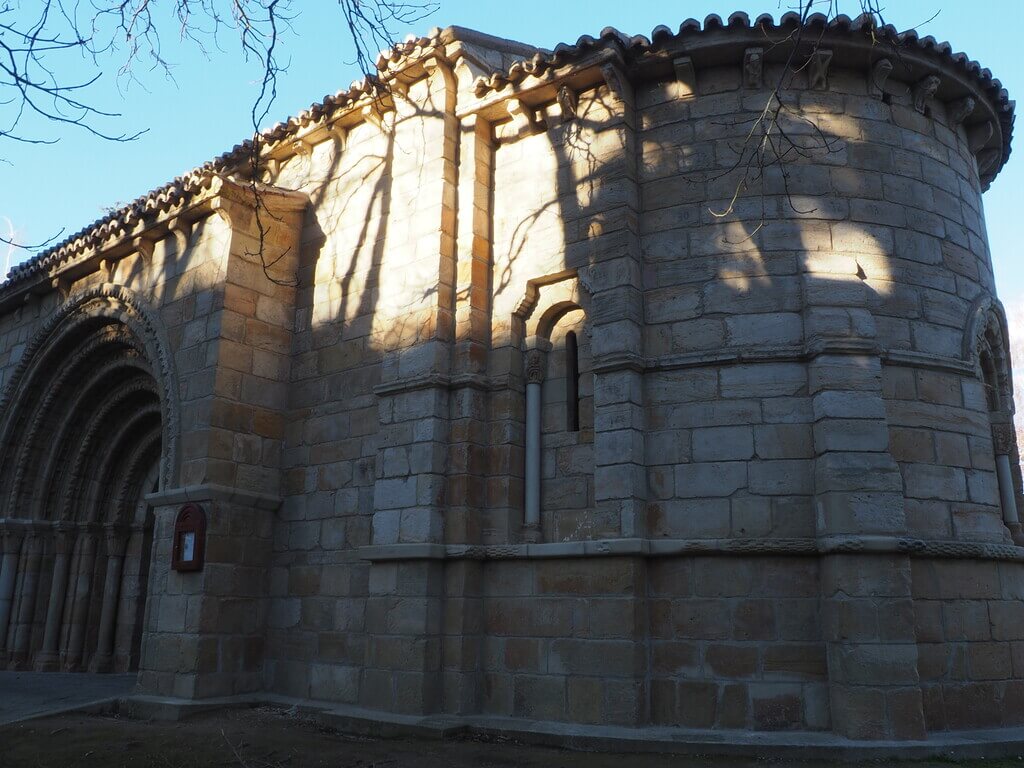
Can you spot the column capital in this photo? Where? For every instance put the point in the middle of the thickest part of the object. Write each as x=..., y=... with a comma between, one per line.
x=535, y=366
x=11, y=535
x=1002, y=439
x=117, y=538
x=65, y=533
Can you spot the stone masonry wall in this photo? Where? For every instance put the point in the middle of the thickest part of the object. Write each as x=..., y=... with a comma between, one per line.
x=780, y=510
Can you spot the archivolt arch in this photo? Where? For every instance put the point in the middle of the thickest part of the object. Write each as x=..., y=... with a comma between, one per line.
x=985, y=346
x=104, y=315
x=89, y=421
x=546, y=300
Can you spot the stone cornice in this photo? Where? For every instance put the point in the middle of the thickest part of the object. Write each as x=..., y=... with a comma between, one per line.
x=637, y=547
x=917, y=66
x=136, y=227
x=397, y=68
x=215, y=493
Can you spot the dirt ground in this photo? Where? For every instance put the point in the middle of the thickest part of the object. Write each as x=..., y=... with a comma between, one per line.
x=269, y=738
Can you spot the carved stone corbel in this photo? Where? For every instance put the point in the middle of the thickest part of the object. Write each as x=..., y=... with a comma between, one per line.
x=879, y=76
x=960, y=110
x=568, y=101
x=271, y=166
x=524, y=117
x=374, y=114
x=396, y=86
x=988, y=159
x=820, y=62
x=301, y=148
x=617, y=83
x=144, y=247
x=686, y=74
x=753, y=67
x=338, y=134
x=107, y=267
x=61, y=285
x=182, y=231
x=978, y=135
x=925, y=89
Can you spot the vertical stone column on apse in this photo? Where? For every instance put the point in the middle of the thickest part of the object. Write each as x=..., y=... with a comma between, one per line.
x=615, y=285
x=614, y=282
x=867, y=613
x=467, y=454
x=405, y=606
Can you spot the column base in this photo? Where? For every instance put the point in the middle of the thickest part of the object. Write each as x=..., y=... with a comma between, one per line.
x=101, y=664
x=47, y=662
x=1016, y=533
x=18, y=662
x=531, y=534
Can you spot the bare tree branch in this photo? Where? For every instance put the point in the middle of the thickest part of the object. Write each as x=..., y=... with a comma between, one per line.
x=40, y=49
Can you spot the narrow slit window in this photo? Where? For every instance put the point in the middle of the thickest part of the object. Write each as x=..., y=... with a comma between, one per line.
x=572, y=383
x=988, y=371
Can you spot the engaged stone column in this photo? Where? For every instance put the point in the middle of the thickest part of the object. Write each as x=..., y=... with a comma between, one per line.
x=874, y=687
x=48, y=660
x=27, y=599
x=10, y=539
x=103, y=659
x=80, y=600
x=1002, y=441
x=536, y=362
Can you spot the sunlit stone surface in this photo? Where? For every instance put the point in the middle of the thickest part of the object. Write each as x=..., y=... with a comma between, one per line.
x=528, y=392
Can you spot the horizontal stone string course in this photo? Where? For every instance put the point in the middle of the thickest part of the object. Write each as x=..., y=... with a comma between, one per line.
x=689, y=360
x=853, y=545
x=778, y=355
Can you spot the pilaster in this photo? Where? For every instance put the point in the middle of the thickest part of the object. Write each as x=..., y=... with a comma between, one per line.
x=613, y=280
x=867, y=613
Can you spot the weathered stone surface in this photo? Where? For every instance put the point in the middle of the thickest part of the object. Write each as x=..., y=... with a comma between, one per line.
x=508, y=417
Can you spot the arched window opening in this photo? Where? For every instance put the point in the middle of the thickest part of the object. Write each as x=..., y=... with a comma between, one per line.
x=990, y=380
x=572, y=382
x=987, y=336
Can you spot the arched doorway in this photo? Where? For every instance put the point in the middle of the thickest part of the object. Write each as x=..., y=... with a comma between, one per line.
x=85, y=433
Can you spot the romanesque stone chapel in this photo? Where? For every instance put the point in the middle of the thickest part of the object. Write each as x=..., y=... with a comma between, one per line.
x=507, y=389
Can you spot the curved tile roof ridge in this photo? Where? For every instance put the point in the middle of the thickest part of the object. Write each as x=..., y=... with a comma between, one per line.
x=188, y=184
x=635, y=46
x=412, y=47
x=640, y=44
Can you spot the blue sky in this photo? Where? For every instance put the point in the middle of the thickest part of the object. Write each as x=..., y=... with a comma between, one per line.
x=205, y=111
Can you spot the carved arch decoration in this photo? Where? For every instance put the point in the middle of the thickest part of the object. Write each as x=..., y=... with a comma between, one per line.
x=985, y=346
x=546, y=300
x=101, y=356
